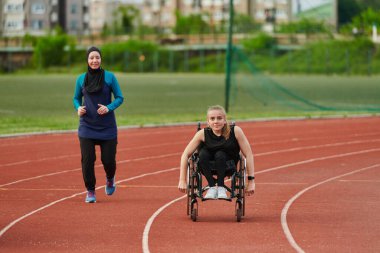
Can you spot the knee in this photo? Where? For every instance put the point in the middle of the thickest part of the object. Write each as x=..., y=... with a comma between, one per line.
x=204, y=158
x=108, y=161
x=204, y=154
x=88, y=158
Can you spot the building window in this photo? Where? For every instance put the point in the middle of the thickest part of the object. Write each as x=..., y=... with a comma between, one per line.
x=14, y=25
x=74, y=9
x=38, y=8
x=73, y=25
x=37, y=24
x=13, y=8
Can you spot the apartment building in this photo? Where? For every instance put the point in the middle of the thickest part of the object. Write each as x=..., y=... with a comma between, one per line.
x=99, y=14
x=84, y=17
x=13, y=18
x=271, y=11
x=76, y=18
x=38, y=17
x=103, y=12
x=162, y=13
x=34, y=17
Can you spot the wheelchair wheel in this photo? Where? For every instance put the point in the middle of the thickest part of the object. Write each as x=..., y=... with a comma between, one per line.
x=240, y=197
x=194, y=209
x=242, y=177
x=188, y=197
x=238, y=210
x=194, y=214
x=190, y=185
x=243, y=192
x=192, y=197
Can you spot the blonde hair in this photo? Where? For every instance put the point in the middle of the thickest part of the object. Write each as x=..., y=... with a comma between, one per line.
x=226, y=130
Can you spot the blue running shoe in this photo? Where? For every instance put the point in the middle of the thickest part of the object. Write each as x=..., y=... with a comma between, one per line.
x=91, y=197
x=110, y=186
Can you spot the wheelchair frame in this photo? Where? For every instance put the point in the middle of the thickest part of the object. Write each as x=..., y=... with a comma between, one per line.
x=195, y=188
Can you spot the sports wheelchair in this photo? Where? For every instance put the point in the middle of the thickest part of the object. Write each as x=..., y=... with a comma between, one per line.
x=195, y=189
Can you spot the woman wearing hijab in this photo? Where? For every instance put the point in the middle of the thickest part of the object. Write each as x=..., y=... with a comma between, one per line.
x=97, y=124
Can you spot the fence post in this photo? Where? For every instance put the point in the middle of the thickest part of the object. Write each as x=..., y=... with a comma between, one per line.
x=126, y=56
x=308, y=61
x=219, y=63
x=327, y=59
x=156, y=61
x=171, y=60
x=273, y=56
x=290, y=58
x=10, y=62
x=201, y=60
x=186, y=60
x=347, y=62
x=141, y=60
x=369, y=62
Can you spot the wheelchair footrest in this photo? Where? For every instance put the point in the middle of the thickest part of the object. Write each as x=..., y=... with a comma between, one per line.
x=227, y=199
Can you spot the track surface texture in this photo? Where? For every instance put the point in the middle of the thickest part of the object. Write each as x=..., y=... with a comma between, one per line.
x=317, y=190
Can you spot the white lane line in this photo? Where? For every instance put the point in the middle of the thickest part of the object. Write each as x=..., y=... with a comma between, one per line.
x=145, y=239
x=316, y=146
x=77, y=169
x=152, y=218
x=74, y=155
x=40, y=176
x=320, y=159
x=285, y=210
x=160, y=145
x=300, y=139
x=359, y=181
x=6, y=228
x=38, y=160
x=173, y=154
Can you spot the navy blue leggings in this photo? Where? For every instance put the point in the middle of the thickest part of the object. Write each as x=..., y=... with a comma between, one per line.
x=220, y=158
x=108, y=158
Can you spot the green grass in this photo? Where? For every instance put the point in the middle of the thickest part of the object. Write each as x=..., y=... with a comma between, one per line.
x=30, y=103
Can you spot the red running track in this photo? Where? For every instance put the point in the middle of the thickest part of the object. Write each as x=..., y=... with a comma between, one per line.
x=317, y=190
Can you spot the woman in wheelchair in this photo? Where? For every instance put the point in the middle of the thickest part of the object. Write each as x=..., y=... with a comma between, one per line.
x=218, y=144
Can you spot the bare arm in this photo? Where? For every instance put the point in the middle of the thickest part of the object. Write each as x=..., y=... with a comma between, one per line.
x=189, y=150
x=245, y=148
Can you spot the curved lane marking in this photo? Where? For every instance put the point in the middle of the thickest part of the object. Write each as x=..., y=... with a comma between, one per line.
x=285, y=210
x=172, y=154
x=160, y=145
x=6, y=228
x=145, y=240
x=77, y=169
x=77, y=155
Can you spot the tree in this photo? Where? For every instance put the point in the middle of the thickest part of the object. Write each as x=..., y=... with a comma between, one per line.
x=364, y=4
x=192, y=24
x=347, y=9
x=244, y=23
x=366, y=20
x=127, y=16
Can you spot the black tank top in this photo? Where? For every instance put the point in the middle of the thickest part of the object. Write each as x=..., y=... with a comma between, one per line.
x=215, y=143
